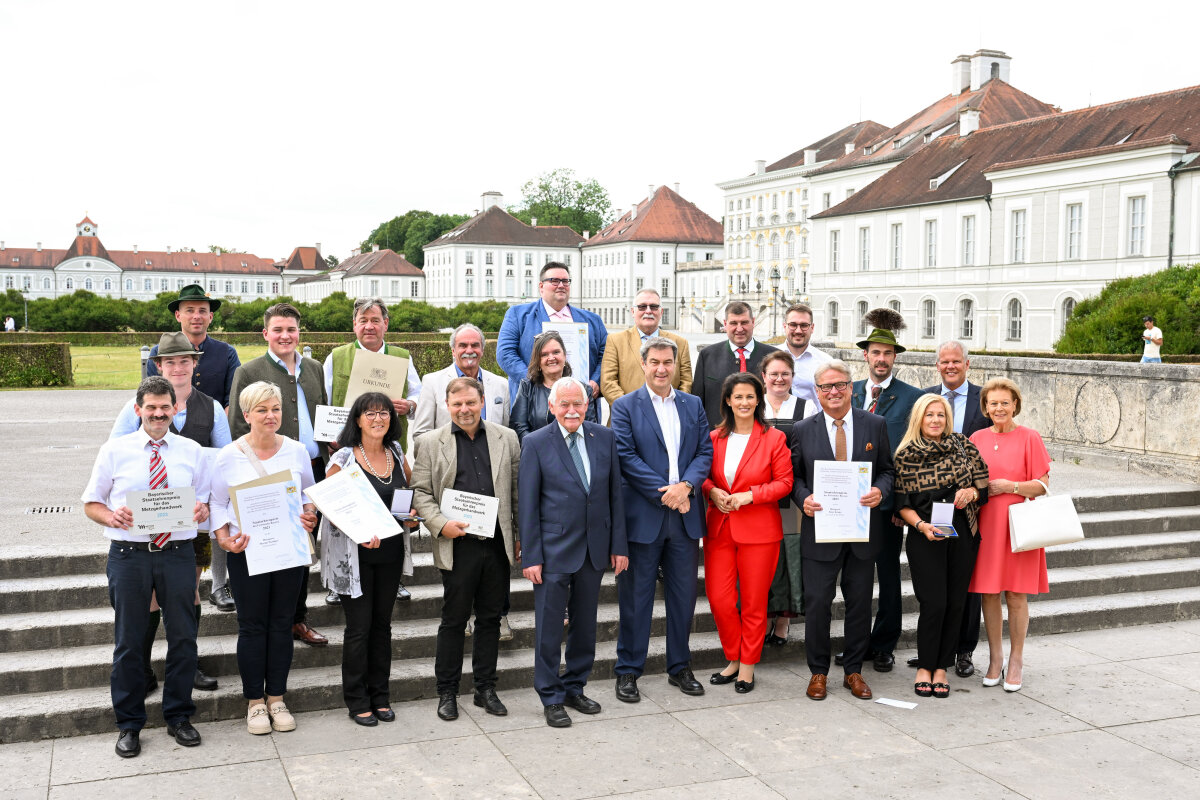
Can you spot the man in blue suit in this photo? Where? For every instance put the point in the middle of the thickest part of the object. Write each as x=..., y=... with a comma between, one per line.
x=522, y=323
x=884, y=394
x=666, y=453
x=572, y=528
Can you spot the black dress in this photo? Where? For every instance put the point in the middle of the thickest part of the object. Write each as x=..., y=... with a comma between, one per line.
x=786, y=598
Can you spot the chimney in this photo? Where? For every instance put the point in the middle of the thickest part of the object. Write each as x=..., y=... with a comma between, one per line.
x=760, y=166
x=39, y=247
x=960, y=74
x=1, y=244
x=987, y=65
x=849, y=148
x=356, y=251
x=633, y=210
x=135, y=249
x=676, y=187
x=533, y=222
x=810, y=157
x=968, y=121
x=402, y=256
x=586, y=236
x=375, y=248
x=650, y=193
x=318, y=247
x=168, y=249
x=489, y=199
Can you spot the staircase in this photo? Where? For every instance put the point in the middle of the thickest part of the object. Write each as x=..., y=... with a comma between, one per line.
x=1140, y=563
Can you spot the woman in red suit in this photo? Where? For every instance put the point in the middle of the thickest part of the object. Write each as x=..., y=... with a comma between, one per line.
x=751, y=472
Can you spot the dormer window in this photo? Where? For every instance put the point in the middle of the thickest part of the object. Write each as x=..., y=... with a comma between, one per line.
x=148, y=262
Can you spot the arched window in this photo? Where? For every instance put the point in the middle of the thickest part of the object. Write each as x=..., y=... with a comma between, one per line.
x=929, y=318
x=87, y=284
x=46, y=283
x=862, y=315
x=789, y=281
x=108, y=284
x=1068, y=308
x=894, y=305
x=791, y=245
x=966, y=319
x=1015, y=315
x=995, y=70
x=70, y=283
x=761, y=249
x=831, y=326
x=774, y=246
x=129, y=284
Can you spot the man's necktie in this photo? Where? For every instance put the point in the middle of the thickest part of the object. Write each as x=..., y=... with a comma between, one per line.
x=158, y=480
x=578, y=459
x=875, y=390
x=950, y=398
x=741, y=351
x=839, y=438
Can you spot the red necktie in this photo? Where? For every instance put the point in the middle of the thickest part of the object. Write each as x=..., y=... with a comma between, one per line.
x=741, y=351
x=158, y=480
x=875, y=390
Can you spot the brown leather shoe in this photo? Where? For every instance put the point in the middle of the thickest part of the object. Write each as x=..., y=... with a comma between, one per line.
x=816, y=687
x=310, y=636
x=857, y=686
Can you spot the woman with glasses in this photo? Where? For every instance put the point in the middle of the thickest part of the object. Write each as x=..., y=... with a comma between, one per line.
x=547, y=363
x=1019, y=468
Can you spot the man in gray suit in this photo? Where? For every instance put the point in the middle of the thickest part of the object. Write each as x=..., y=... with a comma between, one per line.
x=481, y=458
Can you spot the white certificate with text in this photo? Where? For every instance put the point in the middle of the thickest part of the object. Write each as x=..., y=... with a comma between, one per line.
x=838, y=487
x=353, y=506
x=162, y=510
x=328, y=424
x=477, y=510
x=269, y=514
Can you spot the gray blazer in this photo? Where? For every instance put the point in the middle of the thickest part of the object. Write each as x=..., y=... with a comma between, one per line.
x=431, y=407
x=435, y=462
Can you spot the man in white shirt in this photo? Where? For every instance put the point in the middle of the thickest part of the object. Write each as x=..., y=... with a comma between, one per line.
x=140, y=563
x=1152, y=336
x=798, y=322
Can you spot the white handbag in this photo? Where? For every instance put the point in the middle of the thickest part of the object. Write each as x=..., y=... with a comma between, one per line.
x=1043, y=522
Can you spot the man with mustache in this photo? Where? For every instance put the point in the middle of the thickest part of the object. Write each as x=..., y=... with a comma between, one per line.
x=622, y=371
x=742, y=353
x=466, y=348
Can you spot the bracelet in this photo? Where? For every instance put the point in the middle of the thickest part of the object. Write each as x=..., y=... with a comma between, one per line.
x=1016, y=485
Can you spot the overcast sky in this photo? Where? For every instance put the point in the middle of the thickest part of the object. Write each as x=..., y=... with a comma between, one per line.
x=263, y=126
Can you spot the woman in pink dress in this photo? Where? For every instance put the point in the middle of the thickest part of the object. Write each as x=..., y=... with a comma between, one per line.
x=1017, y=460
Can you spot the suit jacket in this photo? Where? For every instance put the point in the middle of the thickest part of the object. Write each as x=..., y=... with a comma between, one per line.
x=561, y=523
x=974, y=420
x=644, y=464
x=435, y=462
x=621, y=371
x=895, y=404
x=766, y=471
x=522, y=323
x=431, y=407
x=265, y=368
x=715, y=363
x=809, y=442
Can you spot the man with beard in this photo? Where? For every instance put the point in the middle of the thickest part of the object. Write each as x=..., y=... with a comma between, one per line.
x=798, y=321
x=622, y=371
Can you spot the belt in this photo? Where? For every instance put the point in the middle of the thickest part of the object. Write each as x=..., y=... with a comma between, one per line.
x=174, y=544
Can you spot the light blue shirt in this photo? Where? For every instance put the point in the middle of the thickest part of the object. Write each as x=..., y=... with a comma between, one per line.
x=479, y=377
x=128, y=421
x=306, y=425
x=959, y=402
x=580, y=445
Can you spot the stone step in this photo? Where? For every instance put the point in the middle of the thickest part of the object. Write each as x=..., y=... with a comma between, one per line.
x=1137, y=521
x=1111, y=499
x=27, y=717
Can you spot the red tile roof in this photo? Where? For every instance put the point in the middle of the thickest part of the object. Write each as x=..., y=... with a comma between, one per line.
x=85, y=221
x=834, y=145
x=30, y=258
x=382, y=262
x=86, y=246
x=664, y=216
x=142, y=261
x=1137, y=123
x=306, y=258
x=496, y=226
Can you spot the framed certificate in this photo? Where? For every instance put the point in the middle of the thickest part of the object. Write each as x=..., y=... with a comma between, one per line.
x=838, y=487
x=376, y=372
x=477, y=510
x=162, y=510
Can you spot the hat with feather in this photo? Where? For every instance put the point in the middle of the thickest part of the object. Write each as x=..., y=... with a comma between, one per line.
x=884, y=324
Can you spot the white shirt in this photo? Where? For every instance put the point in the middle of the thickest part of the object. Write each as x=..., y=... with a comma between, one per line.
x=580, y=445
x=802, y=376
x=787, y=409
x=232, y=468
x=848, y=428
x=749, y=348
x=959, y=403
x=668, y=421
x=734, y=451
x=123, y=466
x=868, y=400
x=1152, y=350
x=305, y=421
x=414, y=380
x=558, y=316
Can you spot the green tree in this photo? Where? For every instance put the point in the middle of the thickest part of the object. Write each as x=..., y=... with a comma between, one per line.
x=410, y=232
x=559, y=198
x=1111, y=322
x=332, y=261
x=216, y=248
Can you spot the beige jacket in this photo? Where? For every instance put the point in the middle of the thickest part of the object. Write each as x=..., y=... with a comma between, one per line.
x=621, y=371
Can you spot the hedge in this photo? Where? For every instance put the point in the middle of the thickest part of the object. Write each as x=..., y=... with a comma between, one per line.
x=99, y=339
x=428, y=355
x=31, y=365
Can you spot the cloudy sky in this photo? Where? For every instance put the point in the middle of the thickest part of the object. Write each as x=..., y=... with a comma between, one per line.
x=266, y=125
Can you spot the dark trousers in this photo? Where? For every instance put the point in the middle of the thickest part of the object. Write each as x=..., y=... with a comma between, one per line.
x=577, y=593
x=318, y=468
x=478, y=582
x=367, y=647
x=889, y=616
x=679, y=557
x=968, y=632
x=820, y=582
x=941, y=572
x=132, y=575
x=265, y=604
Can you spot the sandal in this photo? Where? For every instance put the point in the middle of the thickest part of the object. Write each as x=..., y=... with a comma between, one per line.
x=923, y=688
x=941, y=690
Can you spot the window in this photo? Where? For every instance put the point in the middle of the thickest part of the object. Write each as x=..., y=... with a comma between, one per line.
x=708, y=256
x=275, y=288
x=108, y=284
x=414, y=289
x=1137, y=226
x=1068, y=308
x=45, y=283
x=931, y=242
x=179, y=283
x=666, y=258
x=760, y=203
x=245, y=287
x=760, y=249
x=894, y=305
x=691, y=256
x=864, y=249
x=1074, y=248
x=147, y=287
x=212, y=286
x=26, y=282
x=487, y=257
x=790, y=245
x=789, y=199
x=968, y=240
x=470, y=287
x=834, y=236
x=567, y=259
x=774, y=246
x=804, y=195
x=9, y=283
x=862, y=313
x=666, y=287
x=1014, y=313
x=774, y=202
x=87, y=284
x=1018, y=237
x=529, y=259
x=849, y=192
x=258, y=287
x=70, y=283
x=789, y=282
x=928, y=318
x=470, y=259
x=164, y=285
x=804, y=243
x=641, y=282
x=966, y=319
x=528, y=286
x=228, y=287
x=129, y=285
x=508, y=259
x=897, y=246
x=489, y=288
x=831, y=311
x=825, y=200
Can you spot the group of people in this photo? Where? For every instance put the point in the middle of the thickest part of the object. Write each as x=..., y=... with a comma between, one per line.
x=724, y=454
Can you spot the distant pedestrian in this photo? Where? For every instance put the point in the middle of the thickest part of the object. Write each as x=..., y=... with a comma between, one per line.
x=1153, y=338
x=10, y=324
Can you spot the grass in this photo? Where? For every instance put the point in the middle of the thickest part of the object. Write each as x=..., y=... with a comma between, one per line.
x=121, y=367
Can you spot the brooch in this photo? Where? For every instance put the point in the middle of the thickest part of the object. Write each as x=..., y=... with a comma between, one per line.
x=870, y=447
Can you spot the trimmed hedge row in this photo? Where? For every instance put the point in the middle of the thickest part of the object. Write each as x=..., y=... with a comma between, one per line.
x=93, y=339
x=428, y=356
x=37, y=364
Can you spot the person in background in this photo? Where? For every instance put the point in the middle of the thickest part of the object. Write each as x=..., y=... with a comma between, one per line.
x=194, y=311
x=798, y=323
x=10, y=324
x=547, y=363
x=741, y=353
x=466, y=349
x=622, y=371
x=1152, y=339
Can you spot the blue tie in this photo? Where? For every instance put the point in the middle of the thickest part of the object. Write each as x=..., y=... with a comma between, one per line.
x=578, y=459
x=951, y=397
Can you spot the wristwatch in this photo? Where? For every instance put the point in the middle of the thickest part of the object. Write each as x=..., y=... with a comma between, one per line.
x=691, y=489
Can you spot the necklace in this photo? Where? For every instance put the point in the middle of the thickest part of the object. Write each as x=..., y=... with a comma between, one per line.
x=387, y=454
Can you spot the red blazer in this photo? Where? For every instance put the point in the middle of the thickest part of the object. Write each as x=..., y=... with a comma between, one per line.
x=765, y=470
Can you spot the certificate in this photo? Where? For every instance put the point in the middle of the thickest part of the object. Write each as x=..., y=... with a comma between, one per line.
x=575, y=342
x=349, y=501
x=162, y=510
x=329, y=421
x=839, y=485
x=477, y=510
x=376, y=372
x=210, y=459
x=268, y=512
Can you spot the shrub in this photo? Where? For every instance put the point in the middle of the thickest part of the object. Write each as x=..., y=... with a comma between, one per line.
x=1111, y=322
x=31, y=365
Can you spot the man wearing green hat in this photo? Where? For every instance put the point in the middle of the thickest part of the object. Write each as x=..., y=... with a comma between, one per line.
x=214, y=374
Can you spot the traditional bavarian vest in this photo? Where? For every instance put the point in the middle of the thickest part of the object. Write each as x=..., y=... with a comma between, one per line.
x=343, y=362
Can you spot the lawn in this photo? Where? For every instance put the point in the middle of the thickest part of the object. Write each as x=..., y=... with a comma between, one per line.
x=120, y=367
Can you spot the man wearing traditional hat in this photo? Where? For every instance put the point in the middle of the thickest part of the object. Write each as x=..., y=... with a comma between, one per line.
x=884, y=394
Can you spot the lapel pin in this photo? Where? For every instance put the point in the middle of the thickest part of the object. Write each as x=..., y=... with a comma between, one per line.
x=870, y=447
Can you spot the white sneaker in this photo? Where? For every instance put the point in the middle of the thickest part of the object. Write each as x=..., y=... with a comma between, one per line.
x=282, y=719
x=506, y=633
x=258, y=720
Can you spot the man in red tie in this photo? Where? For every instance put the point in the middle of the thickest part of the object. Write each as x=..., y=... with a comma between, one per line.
x=717, y=361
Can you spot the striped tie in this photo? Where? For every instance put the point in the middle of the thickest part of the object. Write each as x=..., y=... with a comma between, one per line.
x=577, y=457
x=158, y=480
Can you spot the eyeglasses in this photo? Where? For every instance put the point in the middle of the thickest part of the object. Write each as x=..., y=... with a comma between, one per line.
x=798, y=326
x=377, y=414
x=647, y=306
x=558, y=281
x=778, y=376
x=999, y=403
x=826, y=388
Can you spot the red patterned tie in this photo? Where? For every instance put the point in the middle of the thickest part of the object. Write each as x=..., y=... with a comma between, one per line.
x=158, y=480
x=875, y=390
x=741, y=351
